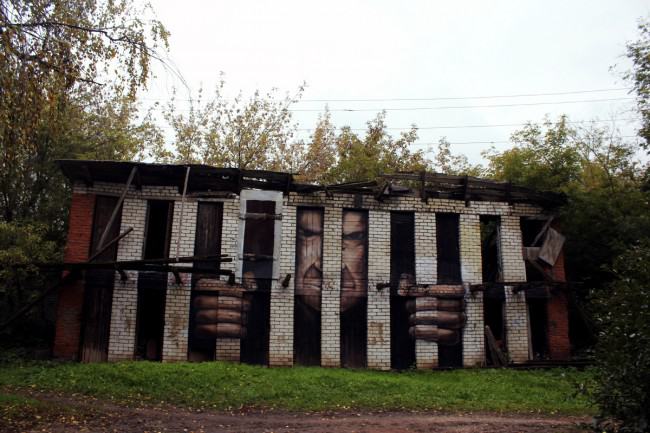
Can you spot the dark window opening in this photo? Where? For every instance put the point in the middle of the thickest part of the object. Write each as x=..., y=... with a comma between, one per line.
x=448, y=249
x=354, y=335
x=538, y=318
x=159, y=229
x=402, y=246
x=259, y=237
x=255, y=346
x=201, y=347
x=307, y=340
x=402, y=345
x=98, y=293
x=152, y=286
x=530, y=228
x=150, y=321
x=402, y=266
x=493, y=316
x=354, y=289
x=450, y=356
x=308, y=285
x=490, y=248
x=259, y=242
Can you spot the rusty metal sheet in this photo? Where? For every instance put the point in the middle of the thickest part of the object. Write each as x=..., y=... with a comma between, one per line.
x=552, y=246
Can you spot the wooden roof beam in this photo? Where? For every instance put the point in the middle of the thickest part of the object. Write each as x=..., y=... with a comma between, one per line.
x=111, y=220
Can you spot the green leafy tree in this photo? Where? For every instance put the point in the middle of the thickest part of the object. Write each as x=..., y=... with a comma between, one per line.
x=623, y=350
x=69, y=76
x=365, y=158
x=316, y=157
x=22, y=244
x=606, y=209
x=63, y=67
x=545, y=157
x=444, y=161
x=249, y=133
x=639, y=52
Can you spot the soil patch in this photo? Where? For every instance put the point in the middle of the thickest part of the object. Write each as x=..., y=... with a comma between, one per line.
x=82, y=414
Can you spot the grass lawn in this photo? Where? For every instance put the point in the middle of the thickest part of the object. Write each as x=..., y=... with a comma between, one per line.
x=224, y=386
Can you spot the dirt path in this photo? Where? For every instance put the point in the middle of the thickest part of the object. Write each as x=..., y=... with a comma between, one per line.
x=84, y=415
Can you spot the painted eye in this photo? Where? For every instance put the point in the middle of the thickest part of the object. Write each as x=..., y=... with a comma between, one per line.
x=354, y=236
x=308, y=233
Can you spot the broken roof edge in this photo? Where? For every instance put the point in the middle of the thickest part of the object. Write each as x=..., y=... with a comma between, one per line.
x=205, y=178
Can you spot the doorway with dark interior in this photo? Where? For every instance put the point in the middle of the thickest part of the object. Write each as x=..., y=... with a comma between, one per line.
x=152, y=286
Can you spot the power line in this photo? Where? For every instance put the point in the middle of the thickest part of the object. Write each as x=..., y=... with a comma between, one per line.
x=441, y=98
x=488, y=142
x=455, y=98
x=476, y=126
x=447, y=107
x=453, y=107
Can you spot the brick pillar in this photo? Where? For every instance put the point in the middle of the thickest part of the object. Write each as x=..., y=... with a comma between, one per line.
x=378, y=301
x=471, y=270
x=331, y=294
x=281, y=338
x=514, y=270
x=558, y=317
x=228, y=349
x=71, y=296
x=121, y=345
x=177, y=300
x=426, y=352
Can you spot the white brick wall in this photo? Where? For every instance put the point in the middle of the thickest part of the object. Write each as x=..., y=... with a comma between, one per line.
x=121, y=343
x=425, y=248
x=230, y=232
x=281, y=338
x=177, y=303
x=514, y=270
x=471, y=271
x=516, y=319
x=122, y=328
x=378, y=301
x=331, y=294
x=426, y=352
x=228, y=349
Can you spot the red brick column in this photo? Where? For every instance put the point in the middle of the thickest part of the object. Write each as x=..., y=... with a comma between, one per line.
x=558, y=316
x=71, y=296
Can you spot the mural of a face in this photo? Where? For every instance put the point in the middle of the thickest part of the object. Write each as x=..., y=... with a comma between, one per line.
x=309, y=250
x=354, y=260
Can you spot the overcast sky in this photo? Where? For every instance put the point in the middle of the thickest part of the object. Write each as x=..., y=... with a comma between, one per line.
x=413, y=49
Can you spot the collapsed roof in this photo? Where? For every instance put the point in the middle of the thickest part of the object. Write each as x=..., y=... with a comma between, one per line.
x=207, y=180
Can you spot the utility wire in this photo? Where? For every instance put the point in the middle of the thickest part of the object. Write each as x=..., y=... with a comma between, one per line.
x=454, y=107
x=444, y=107
x=488, y=142
x=456, y=98
x=443, y=98
x=492, y=125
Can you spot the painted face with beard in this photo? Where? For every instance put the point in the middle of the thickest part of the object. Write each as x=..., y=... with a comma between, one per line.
x=353, y=272
x=309, y=250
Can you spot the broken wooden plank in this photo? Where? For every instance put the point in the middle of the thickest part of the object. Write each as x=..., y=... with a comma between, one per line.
x=109, y=244
x=541, y=233
x=498, y=358
x=180, y=220
x=118, y=205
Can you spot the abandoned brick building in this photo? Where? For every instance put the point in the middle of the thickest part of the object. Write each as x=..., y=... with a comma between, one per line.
x=178, y=262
